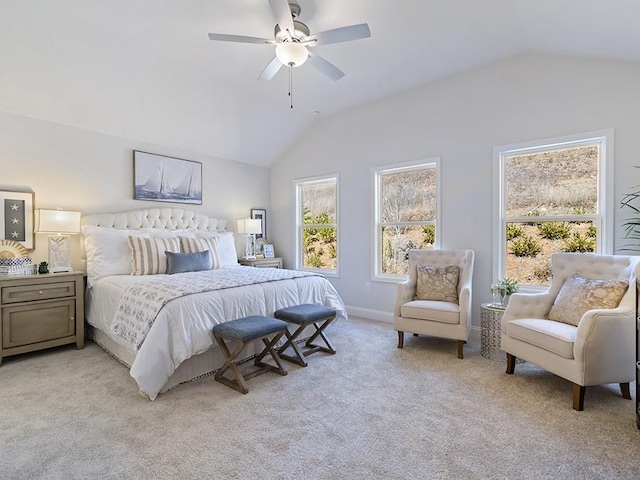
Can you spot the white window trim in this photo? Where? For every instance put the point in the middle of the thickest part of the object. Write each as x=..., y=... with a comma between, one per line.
x=605, y=216
x=299, y=254
x=433, y=162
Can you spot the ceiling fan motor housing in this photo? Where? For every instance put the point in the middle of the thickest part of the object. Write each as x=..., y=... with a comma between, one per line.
x=299, y=34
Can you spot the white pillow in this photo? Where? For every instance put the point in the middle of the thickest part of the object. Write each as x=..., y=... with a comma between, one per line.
x=148, y=254
x=107, y=251
x=227, y=244
x=163, y=233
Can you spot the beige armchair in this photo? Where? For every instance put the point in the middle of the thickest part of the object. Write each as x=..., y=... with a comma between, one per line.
x=434, y=301
x=583, y=327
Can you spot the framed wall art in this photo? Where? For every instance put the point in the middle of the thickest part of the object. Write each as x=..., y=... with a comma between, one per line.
x=268, y=251
x=16, y=217
x=260, y=214
x=166, y=179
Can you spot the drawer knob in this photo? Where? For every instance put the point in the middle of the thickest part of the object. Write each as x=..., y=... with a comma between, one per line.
x=40, y=292
x=72, y=318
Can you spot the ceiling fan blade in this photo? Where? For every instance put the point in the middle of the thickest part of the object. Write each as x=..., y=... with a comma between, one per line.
x=324, y=66
x=341, y=34
x=270, y=70
x=222, y=37
x=282, y=12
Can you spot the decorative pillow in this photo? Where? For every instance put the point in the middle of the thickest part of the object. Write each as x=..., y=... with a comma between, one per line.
x=188, y=262
x=148, y=254
x=227, y=250
x=437, y=283
x=193, y=245
x=107, y=251
x=579, y=295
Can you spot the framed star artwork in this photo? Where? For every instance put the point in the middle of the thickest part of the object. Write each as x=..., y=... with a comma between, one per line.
x=16, y=217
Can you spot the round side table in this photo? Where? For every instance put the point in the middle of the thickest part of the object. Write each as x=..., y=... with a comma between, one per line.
x=490, y=318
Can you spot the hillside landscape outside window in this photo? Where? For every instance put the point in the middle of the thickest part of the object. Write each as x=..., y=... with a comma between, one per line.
x=406, y=213
x=317, y=221
x=552, y=199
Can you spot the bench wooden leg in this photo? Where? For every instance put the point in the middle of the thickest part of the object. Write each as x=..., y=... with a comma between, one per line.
x=239, y=381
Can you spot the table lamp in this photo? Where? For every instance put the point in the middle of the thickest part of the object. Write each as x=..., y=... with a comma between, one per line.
x=60, y=224
x=250, y=227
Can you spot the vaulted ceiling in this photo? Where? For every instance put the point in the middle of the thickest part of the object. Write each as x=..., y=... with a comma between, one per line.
x=146, y=70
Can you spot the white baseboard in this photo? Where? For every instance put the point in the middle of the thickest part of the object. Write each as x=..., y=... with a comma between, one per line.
x=379, y=315
x=387, y=317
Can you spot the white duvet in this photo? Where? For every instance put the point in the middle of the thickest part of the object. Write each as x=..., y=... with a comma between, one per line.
x=183, y=326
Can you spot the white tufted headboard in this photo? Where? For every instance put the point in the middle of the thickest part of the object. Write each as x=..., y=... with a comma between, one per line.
x=162, y=218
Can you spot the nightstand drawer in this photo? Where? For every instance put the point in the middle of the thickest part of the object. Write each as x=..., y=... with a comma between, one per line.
x=24, y=325
x=42, y=291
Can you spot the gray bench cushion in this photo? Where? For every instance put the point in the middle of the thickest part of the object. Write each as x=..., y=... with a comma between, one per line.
x=306, y=313
x=249, y=328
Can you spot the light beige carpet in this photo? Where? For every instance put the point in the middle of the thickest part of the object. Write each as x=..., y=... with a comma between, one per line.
x=370, y=411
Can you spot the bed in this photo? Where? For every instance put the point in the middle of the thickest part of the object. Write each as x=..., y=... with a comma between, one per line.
x=159, y=324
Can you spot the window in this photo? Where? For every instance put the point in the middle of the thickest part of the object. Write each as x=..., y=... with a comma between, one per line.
x=317, y=224
x=553, y=197
x=406, y=210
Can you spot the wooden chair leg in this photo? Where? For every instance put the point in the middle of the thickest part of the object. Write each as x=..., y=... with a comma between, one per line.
x=626, y=393
x=461, y=349
x=511, y=364
x=578, y=397
x=400, y=339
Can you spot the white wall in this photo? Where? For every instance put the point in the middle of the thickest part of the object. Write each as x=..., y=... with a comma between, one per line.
x=77, y=169
x=460, y=120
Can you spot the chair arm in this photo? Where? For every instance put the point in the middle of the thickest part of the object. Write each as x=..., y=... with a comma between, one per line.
x=405, y=293
x=464, y=301
x=527, y=305
x=606, y=333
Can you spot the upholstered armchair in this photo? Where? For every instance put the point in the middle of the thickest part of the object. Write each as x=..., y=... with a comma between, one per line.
x=583, y=327
x=436, y=299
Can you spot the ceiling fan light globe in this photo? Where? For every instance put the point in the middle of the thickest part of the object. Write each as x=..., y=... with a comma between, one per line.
x=292, y=53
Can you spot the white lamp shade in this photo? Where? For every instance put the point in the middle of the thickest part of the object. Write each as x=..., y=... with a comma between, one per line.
x=292, y=53
x=57, y=221
x=249, y=226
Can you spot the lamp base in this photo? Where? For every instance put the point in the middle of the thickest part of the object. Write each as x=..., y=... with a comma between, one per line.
x=59, y=253
x=60, y=270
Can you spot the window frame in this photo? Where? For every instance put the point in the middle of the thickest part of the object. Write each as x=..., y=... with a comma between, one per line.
x=300, y=226
x=603, y=217
x=377, y=173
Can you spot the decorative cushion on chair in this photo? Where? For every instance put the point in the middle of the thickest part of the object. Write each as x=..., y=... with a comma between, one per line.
x=579, y=295
x=437, y=283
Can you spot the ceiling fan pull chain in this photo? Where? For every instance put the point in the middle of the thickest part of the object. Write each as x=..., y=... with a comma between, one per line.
x=290, y=86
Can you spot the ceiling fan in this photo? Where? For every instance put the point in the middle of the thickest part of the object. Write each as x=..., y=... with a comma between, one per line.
x=294, y=41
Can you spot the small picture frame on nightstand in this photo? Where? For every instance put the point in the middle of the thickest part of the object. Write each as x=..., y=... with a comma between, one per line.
x=268, y=251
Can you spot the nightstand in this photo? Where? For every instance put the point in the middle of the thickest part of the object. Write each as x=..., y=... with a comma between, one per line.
x=275, y=262
x=41, y=311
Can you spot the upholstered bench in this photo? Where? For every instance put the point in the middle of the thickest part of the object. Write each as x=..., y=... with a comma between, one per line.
x=304, y=315
x=243, y=331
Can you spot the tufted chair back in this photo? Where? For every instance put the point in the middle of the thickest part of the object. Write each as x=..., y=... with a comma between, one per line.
x=442, y=258
x=590, y=265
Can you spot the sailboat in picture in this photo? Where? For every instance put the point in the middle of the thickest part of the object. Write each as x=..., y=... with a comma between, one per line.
x=188, y=189
x=156, y=175
x=157, y=185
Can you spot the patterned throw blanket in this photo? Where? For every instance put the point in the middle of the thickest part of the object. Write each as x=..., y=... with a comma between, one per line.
x=142, y=301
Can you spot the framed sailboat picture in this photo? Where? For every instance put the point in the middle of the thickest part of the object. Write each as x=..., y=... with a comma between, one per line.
x=166, y=179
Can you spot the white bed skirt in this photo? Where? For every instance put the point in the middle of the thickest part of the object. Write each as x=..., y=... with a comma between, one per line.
x=195, y=367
